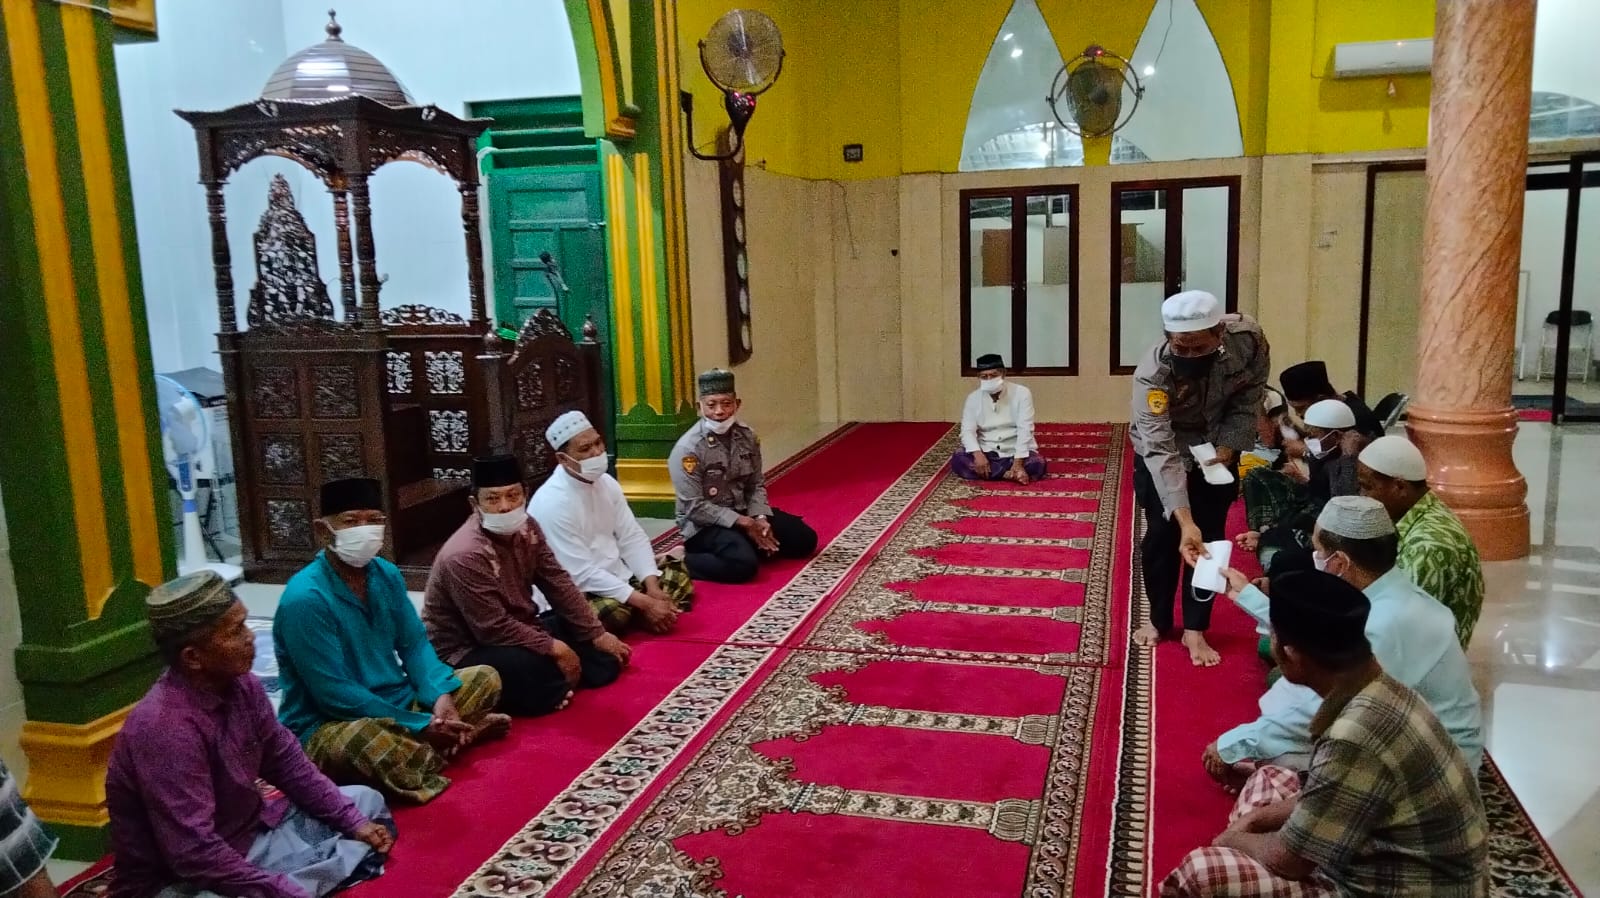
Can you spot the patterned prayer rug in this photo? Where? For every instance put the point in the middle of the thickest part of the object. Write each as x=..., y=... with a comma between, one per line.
x=931, y=726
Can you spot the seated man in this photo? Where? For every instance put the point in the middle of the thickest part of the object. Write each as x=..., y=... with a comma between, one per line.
x=1388, y=804
x=25, y=846
x=182, y=789
x=1434, y=547
x=595, y=536
x=362, y=687
x=1281, y=509
x=997, y=429
x=1411, y=633
x=722, y=505
x=479, y=604
x=1307, y=384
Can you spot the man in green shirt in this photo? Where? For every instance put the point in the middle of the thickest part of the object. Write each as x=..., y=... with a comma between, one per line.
x=1434, y=547
x=362, y=687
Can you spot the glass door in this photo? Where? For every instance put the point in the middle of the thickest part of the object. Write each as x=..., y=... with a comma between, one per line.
x=1559, y=292
x=1572, y=327
x=1168, y=236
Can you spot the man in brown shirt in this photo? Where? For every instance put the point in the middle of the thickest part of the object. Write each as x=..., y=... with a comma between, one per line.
x=479, y=605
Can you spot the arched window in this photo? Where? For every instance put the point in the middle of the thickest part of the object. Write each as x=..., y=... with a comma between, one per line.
x=1558, y=117
x=1188, y=109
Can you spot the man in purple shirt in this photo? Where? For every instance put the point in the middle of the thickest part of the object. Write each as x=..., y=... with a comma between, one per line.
x=208, y=793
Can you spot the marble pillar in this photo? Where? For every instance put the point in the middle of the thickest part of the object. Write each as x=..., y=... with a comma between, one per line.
x=1462, y=417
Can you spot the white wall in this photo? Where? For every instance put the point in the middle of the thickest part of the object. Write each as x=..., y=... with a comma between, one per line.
x=1564, y=60
x=216, y=55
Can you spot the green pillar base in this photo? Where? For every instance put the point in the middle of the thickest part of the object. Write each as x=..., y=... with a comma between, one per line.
x=81, y=843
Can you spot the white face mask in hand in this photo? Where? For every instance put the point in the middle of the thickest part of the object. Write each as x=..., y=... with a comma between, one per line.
x=719, y=427
x=357, y=546
x=504, y=523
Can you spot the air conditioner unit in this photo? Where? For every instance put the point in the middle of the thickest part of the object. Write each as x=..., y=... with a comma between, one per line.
x=1379, y=58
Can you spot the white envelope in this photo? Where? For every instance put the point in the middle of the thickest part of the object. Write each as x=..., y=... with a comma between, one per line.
x=1208, y=571
x=1216, y=475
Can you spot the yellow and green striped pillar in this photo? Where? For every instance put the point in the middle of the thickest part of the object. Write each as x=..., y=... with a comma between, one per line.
x=627, y=59
x=80, y=453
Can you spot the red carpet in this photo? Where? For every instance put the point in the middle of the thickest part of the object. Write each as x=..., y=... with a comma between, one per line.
x=942, y=703
x=935, y=724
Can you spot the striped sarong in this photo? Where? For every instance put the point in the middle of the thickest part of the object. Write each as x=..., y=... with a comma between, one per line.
x=616, y=616
x=377, y=752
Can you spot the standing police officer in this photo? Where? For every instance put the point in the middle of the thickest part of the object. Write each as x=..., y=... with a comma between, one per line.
x=722, y=509
x=1201, y=384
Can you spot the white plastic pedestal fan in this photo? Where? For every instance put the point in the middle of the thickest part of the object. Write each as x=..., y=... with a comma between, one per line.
x=184, y=438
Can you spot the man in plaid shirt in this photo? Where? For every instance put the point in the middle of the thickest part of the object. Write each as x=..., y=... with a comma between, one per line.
x=1388, y=806
x=25, y=847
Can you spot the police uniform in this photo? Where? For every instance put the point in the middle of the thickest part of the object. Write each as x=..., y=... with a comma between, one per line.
x=1170, y=414
x=717, y=479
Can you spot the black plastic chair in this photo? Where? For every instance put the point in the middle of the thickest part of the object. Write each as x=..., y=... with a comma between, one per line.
x=1390, y=408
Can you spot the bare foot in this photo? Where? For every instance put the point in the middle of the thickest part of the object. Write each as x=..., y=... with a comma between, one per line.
x=492, y=726
x=1146, y=636
x=1200, y=651
x=565, y=702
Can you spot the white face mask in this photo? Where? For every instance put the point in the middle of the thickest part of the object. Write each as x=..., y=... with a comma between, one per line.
x=1321, y=447
x=593, y=467
x=1288, y=433
x=719, y=427
x=1319, y=561
x=992, y=385
x=357, y=546
x=504, y=523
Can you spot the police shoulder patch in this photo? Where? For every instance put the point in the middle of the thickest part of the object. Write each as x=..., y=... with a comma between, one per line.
x=1157, y=401
x=691, y=463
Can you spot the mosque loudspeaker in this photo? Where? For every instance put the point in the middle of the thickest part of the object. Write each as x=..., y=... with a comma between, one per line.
x=1091, y=85
x=742, y=54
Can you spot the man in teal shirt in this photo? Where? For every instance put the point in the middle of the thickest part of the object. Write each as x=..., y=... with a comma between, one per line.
x=1412, y=634
x=362, y=687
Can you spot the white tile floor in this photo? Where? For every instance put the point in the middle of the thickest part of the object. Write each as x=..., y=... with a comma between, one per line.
x=1535, y=654
x=1536, y=650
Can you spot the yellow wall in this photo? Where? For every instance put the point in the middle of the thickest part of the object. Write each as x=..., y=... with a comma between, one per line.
x=1309, y=111
x=897, y=76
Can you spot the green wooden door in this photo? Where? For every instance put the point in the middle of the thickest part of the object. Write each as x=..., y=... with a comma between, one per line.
x=561, y=212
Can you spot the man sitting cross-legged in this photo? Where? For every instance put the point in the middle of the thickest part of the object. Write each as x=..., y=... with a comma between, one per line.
x=722, y=494
x=597, y=539
x=997, y=441
x=362, y=687
x=1435, y=549
x=187, y=812
x=1411, y=633
x=479, y=605
x=1388, y=805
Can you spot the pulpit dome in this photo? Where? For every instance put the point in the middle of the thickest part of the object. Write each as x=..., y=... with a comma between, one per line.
x=334, y=70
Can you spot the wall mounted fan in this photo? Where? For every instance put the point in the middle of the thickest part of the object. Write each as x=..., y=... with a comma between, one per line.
x=1091, y=85
x=742, y=54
